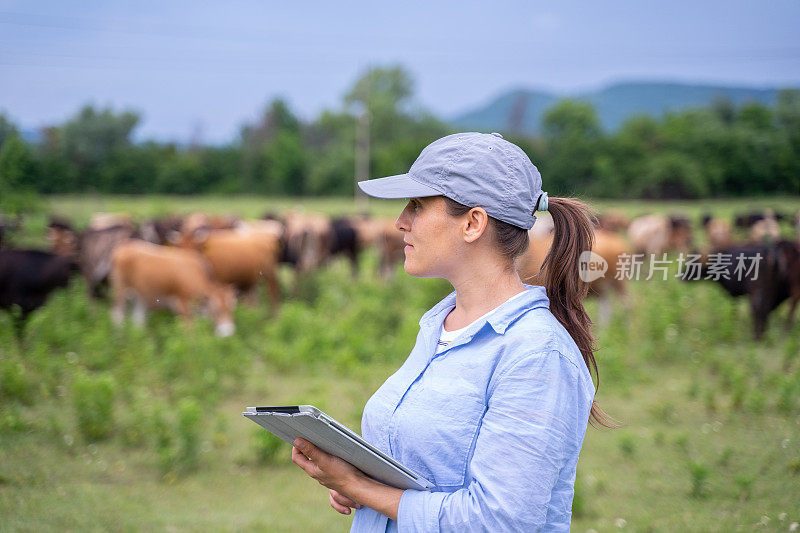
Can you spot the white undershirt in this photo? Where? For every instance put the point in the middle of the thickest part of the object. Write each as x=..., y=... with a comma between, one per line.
x=446, y=337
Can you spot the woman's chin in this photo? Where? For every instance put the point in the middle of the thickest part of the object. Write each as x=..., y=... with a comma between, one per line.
x=411, y=269
x=414, y=270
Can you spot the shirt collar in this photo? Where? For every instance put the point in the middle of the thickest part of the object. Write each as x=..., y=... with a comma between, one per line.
x=536, y=296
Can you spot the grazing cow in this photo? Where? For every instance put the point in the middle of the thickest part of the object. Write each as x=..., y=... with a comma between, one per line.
x=94, y=255
x=613, y=220
x=656, y=234
x=27, y=277
x=242, y=260
x=307, y=240
x=381, y=234
x=275, y=228
x=162, y=276
x=196, y=222
x=91, y=249
x=101, y=221
x=61, y=237
x=343, y=240
x=778, y=278
x=164, y=230
x=607, y=244
x=718, y=233
x=749, y=219
x=765, y=231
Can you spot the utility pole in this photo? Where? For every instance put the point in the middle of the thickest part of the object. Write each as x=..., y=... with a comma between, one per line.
x=362, y=146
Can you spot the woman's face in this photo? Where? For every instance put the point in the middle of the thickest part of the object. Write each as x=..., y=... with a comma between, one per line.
x=433, y=237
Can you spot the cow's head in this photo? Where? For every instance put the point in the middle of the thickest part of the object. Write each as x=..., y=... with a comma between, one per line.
x=62, y=238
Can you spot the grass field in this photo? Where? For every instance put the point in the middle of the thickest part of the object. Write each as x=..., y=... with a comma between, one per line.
x=104, y=429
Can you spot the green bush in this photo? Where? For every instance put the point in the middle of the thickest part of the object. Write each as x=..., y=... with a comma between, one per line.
x=93, y=399
x=699, y=473
x=189, y=417
x=268, y=447
x=15, y=383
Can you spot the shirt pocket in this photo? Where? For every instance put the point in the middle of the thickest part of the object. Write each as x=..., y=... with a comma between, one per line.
x=437, y=428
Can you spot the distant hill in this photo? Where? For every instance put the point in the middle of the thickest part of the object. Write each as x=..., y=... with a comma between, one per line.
x=522, y=110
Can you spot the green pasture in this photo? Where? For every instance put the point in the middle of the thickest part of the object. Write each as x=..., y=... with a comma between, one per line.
x=141, y=429
x=79, y=207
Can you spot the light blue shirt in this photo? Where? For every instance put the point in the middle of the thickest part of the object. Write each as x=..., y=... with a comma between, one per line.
x=495, y=422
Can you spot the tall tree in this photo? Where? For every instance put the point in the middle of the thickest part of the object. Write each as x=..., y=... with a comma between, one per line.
x=572, y=132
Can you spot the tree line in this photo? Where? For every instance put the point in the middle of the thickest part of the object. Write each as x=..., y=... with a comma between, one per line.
x=720, y=150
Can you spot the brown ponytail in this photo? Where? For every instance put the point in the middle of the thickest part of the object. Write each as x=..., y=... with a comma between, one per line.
x=573, y=233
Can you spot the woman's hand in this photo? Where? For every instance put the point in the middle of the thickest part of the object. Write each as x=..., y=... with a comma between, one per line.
x=348, y=486
x=329, y=470
x=342, y=504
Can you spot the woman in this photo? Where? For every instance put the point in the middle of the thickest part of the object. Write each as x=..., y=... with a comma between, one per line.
x=493, y=402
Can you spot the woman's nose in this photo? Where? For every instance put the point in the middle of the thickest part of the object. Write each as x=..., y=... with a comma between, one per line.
x=402, y=221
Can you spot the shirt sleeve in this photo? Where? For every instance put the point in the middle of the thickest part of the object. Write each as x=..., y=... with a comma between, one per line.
x=522, y=445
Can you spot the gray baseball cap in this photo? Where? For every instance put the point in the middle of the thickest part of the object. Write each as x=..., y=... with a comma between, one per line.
x=474, y=169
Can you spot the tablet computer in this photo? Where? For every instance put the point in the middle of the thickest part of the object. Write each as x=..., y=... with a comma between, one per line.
x=289, y=422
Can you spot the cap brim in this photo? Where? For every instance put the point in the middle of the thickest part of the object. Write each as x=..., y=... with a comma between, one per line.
x=400, y=186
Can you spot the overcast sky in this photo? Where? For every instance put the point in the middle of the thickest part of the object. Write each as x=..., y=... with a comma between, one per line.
x=204, y=68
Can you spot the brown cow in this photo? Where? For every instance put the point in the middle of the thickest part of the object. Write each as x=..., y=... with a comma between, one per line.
x=718, y=233
x=381, y=234
x=656, y=234
x=242, y=260
x=62, y=238
x=200, y=221
x=161, y=276
x=613, y=220
x=607, y=244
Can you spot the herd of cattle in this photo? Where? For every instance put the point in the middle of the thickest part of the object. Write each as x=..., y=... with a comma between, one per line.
x=183, y=263
x=210, y=262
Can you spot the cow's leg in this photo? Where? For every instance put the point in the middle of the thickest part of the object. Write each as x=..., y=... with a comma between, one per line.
x=250, y=295
x=352, y=254
x=271, y=277
x=120, y=300
x=139, y=312
x=759, y=316
x=183, y=306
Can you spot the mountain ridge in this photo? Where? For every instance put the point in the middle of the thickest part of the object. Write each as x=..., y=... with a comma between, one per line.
x=520, y=110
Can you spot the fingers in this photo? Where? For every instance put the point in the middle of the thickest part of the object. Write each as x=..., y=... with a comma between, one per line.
x=300, y=459
x=337, y=506
x=308, y=449
x=344, y=500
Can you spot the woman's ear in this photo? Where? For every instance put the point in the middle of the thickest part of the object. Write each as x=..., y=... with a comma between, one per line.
x=475, y=222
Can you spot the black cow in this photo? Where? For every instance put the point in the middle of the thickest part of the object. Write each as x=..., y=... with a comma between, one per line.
x=747, y=220
x=343, y=240
x=27, y=277
x=778, y=278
